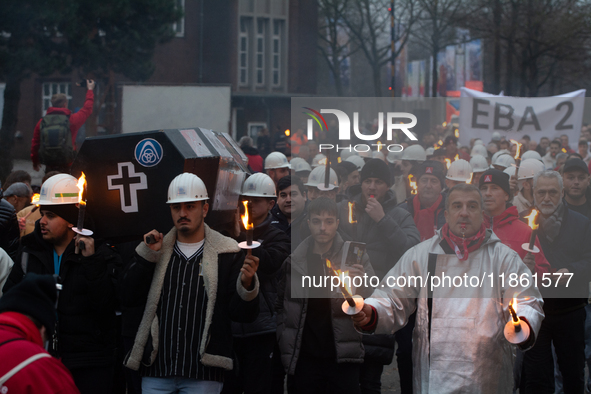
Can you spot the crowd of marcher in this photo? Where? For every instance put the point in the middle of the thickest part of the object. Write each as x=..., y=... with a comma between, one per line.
x=190, y=311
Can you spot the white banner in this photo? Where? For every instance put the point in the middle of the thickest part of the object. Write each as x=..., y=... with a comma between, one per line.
x=481, y=114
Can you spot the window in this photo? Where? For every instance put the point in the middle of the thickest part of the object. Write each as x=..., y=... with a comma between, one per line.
x=51, y=88
x=243, y=51
x=179, y=27
x=260, y=52
x=276, y=60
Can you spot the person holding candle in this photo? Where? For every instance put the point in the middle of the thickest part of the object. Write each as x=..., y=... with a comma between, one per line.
x=193, y=282
x=320, y=349
x=458, y=340
x=85, y=337
x=503, y=219
x=428, y=205
x=564, y=236
x=254, y=343
x=388, y=232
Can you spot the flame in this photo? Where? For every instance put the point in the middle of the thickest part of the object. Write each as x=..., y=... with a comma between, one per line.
x=339, y=159
x=531, y=219
x=351, y=213
x=444, y=124
x=345, y=283
x=322, y=162
x=471, y=177
x=81, y=185
x=35, y=198
x=447, y=162
x=563, y=150
x=245, y=217
x=456, y=157
x=440, y=142
x=435, y=146
x=413, y=184
x=513, y=311
x=457, y=133
x=287, y=132
x=518, y=151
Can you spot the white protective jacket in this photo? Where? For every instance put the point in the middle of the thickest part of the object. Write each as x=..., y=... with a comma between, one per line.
x=467, y=352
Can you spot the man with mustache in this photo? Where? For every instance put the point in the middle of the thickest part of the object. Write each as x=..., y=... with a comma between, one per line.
x=193, y=282
x=565, y=239
x=458, y=340
x=503, y=218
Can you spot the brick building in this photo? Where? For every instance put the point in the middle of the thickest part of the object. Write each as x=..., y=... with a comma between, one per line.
x=264, y=49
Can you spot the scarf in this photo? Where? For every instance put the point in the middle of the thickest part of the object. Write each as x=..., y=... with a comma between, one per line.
x=552, y=224
x=425, y=219
x=462, y=246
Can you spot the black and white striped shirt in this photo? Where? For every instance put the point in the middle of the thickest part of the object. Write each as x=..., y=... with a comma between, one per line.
x=182, y=313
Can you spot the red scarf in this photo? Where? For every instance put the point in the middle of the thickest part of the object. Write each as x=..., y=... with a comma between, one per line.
x=463, y=246
x=425, y=219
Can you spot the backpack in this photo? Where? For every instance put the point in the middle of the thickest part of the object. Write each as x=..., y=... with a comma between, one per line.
x=56, y=140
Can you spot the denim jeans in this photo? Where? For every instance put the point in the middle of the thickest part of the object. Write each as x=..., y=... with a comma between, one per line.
x=179, y=386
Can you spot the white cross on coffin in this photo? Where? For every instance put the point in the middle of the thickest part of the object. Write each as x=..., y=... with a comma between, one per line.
x=128, y=182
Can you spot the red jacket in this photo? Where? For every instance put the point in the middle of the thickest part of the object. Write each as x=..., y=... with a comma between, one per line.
x=45, y=375
x=514, y=233
x=76, y=121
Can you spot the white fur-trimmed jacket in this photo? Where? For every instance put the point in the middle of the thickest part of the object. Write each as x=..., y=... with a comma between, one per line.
x=227, y=299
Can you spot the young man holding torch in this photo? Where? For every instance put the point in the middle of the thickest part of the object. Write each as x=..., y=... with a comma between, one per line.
x=85, y=335
x=255, y=343
x=193, y=283
x=564, y=236
x=319, y=346
x=458, y=340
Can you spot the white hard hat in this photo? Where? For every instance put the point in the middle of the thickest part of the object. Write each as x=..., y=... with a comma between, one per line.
x=479, y=150
x=414, y=152
x=358, y=161
x=429, y=151
x=276, y=160
x=531, y=154
x=259, y=185
x=316, y=177
x=345, y=154
x=317, y=159
x=525, y=172
x=378, y=155
x=499, y=153
x=479, y=163
x=459, y=170
x=394, y=156
x=298, y=164
x=58, y=190
x=496, y=136
x=504, y=161
x=535, y=165
x=366, y=154
x=186, y=187
x=478, y=142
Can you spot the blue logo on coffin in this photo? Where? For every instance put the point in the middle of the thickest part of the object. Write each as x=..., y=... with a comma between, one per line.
x=148, y=152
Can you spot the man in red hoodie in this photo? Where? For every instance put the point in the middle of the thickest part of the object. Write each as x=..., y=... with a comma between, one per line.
x=27, y=320
x=505, y=223
x=59, y=106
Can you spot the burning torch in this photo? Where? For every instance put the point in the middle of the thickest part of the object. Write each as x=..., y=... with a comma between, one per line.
x=516, y=331
x=412, y=184
x=79, y=229
x=353, y=303
x=353, y=219
x=22, y=222
x=517, y=158
x=326, y=186
x=249, y=244
x=532, y=223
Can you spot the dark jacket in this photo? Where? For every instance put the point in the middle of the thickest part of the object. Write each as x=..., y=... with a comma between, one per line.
x=292, y=311
x=280, y=221
x=9, y=231
x=571, y=250
x=86, y=329
x=386, y=240
x=227, y=300
x=274, y=249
